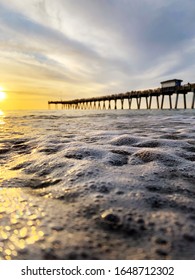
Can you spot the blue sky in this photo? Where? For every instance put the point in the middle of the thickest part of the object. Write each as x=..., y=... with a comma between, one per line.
x=81, y=48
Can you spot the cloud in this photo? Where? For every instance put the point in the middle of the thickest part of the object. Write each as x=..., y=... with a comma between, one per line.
x=97, y=46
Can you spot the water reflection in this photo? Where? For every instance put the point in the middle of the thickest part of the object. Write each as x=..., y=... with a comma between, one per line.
x=2, y=115
x=20, y=223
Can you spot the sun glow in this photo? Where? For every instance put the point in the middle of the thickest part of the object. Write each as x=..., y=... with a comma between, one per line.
x=2, y=94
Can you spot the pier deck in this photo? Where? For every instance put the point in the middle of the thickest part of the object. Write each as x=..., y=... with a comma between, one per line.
x=104, y=102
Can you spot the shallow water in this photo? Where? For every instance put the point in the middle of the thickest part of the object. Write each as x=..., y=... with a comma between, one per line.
x=105, y=184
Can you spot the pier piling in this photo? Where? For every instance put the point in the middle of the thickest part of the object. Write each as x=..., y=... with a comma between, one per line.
x=104, y=102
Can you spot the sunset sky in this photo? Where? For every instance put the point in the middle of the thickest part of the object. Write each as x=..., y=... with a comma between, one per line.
x=66, y=49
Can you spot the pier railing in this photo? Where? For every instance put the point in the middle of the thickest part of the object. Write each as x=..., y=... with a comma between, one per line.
x=104, y=102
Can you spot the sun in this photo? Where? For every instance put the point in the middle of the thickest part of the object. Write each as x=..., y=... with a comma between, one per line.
x=2, y=94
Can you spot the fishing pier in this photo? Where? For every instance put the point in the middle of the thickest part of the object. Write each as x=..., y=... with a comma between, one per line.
x=116, y=101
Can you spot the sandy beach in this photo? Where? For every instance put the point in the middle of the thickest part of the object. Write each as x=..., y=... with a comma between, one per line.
x=97, y=185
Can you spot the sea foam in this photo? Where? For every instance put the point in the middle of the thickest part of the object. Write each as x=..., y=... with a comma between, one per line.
x=100, y=184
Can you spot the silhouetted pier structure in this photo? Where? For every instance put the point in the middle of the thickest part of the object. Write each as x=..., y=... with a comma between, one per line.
x=168, y=89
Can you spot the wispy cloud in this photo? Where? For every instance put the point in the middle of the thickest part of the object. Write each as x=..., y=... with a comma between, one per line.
x=92, y=47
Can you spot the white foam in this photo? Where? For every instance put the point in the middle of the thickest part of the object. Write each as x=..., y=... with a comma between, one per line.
x=137, y=161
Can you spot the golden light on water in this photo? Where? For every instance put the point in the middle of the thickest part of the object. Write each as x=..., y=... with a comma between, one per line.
x=2, y=117
x=20, y=223
x=2, y=94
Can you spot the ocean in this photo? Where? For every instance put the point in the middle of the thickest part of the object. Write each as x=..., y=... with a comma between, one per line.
x=114, y=184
